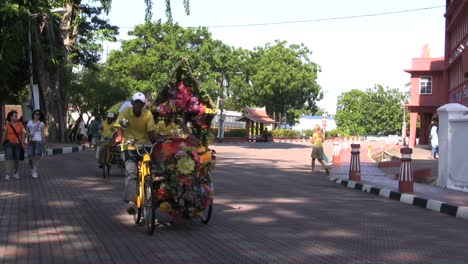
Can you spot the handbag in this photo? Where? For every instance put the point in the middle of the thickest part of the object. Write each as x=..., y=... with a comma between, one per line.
x=21, y=153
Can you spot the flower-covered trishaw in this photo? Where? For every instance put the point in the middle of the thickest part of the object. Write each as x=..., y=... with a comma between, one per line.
x=183, y=161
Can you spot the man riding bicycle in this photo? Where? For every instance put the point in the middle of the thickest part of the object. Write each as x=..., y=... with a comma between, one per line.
x=107, y=131
x=141, y=128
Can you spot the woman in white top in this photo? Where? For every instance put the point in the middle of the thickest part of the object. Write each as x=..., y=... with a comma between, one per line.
x=35, y=128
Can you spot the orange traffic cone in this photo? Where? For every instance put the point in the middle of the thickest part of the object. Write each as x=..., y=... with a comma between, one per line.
x=336, y=152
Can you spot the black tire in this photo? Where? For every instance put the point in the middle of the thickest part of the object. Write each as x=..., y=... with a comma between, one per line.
x=206, y=216
x=148, y=206
x=137, y=216
x=104, y=170
x=106, y=165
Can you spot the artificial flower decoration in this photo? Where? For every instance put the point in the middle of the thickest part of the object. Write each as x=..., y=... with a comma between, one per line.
x=185, y=165
x=165, y=207
x=183, y=113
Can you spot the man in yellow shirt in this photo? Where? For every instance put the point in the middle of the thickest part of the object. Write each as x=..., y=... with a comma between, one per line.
x=106, y=131
x=141, y=128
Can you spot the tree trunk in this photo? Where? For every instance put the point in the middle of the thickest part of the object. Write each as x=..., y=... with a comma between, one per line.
x=51, y=77
x=52, y=68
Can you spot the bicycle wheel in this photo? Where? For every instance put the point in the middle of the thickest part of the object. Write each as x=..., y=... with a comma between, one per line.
x=106, y=165
x=137, y=216
x=206, y=216
x=148, y=206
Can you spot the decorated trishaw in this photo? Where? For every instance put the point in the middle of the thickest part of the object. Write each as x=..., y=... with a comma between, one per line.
x=183, y=160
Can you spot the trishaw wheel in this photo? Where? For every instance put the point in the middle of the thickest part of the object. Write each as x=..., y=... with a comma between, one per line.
x=206, y=216
x=108, y=167
x=137, y=216
x=148, y=206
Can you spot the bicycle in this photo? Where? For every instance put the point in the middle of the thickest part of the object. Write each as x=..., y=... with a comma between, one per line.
x=112, y=156
x=145, y=201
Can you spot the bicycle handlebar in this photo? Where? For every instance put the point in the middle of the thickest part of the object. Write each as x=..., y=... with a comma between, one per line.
x=142, y=146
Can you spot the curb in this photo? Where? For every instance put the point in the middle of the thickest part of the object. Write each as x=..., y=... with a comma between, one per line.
x=57, y=151
x=434, y=205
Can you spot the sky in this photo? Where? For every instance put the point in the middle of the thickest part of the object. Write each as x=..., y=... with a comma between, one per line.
x=354, y=53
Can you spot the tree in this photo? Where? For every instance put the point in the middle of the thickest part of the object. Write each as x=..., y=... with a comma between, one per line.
x=149, y=7
x=91, y=93
x=375, y=111
x=60, y=42
x=13, y=51
x=284, y=78
x=144, y=62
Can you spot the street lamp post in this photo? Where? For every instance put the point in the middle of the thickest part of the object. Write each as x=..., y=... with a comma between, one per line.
x=221, y=110
x=403, y=128
x=324, y=122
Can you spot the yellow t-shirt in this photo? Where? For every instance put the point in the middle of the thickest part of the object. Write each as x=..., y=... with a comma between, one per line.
x=318, y=140
x=107, y=129
x=138, y=127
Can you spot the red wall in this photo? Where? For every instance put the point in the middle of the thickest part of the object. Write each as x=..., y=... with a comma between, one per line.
x=438, y=90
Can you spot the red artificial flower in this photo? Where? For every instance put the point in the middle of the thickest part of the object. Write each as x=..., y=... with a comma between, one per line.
x=161, y=194
x=167, y=150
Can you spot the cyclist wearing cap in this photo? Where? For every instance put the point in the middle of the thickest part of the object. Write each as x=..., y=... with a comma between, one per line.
x=141, y=128
x=107, y=131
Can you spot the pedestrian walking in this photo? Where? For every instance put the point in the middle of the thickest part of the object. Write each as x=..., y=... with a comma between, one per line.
x=317, y=149
x=93, y=131
x=37, y=141
x=13, y=142
x=434, y=136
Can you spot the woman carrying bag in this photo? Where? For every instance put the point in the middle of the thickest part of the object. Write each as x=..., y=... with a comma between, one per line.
x=13, y=141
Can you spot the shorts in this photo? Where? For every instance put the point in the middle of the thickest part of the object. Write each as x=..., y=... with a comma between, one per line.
x=36, y=148
x=12, y=151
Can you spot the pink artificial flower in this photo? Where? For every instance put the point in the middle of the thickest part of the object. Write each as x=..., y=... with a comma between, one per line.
x=196, y=157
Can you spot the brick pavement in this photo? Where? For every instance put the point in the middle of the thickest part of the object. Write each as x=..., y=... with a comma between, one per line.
x=269, y=208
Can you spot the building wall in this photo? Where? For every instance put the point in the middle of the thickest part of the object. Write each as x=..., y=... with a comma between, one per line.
x=309, y=122
x=456, y=43
x=438, y=91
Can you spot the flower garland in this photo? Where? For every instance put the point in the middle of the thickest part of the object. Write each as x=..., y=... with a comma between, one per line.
x=185, y=110
x=187, y=191
x=182, y=100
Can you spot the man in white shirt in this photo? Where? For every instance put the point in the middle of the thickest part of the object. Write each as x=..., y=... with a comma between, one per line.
x=434, y=139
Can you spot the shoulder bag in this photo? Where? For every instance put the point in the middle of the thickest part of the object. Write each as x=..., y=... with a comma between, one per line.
x=21, y=153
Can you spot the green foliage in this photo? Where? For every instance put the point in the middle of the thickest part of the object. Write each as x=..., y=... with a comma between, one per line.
x=143, y=63
x=281, y=78
x=286, y=133
x=285, y=78
x=90, y=92
x=332, y=133
x=293, y=116
x=374, y=111
x=235, y=132
x=308, y=132
x=149, y=7
x=13, y=51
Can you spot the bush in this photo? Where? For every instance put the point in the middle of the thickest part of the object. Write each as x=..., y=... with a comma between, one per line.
x=287, y=133
x=309, y=132
x=236, y=132
x=333, y=133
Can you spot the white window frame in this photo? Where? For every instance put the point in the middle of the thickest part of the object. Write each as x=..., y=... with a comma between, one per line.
x=428, y=80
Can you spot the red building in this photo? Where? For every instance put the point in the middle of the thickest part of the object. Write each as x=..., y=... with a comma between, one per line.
x=438, y=81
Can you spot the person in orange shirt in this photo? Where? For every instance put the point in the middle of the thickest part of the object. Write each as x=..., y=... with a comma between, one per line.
x=13, y=142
